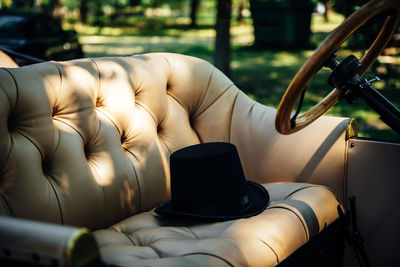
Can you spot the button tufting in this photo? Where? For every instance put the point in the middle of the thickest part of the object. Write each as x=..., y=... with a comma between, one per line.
x=86, y=151
x=10, y=124
x=45, y=166
x=159, y=128
x=99, y=102
x=123, y=138
x=54, y=111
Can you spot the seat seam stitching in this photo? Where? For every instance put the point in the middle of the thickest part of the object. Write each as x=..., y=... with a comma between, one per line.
x=58, y=143
x=177, y=100
x=114, y=229
x=8, y=97
x=61, y=82
x=298, y=190
x=31, y=141
x=184, y=107
x=98, y=75
x=57, y=197
x=109, y=117
x=137, y=178
x=171, y=68
x=207, y=88
x=16, y=89
x=131, y=239
x=231, y=118
x=191, y=231
x=163, y=144
x=158, y=253
x=215, y=100
x=165, y=117
x=103, y=188
x=10, y=102
x=72, y=127
x=208, y=254
x=7, y=205
x=273, y=251
x=9, y=153
x=197, y=134
x=286, y=208
x=142, y=105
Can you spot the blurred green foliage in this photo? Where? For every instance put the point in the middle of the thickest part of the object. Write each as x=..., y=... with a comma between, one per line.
x=125, y=27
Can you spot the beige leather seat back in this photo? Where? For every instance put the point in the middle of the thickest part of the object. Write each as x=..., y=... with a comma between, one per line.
x=87, y=142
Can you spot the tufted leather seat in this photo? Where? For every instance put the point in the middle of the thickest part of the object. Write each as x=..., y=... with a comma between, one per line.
x=87, y=143
x=296, y=214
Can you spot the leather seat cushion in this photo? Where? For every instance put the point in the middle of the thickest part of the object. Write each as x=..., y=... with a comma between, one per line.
x=296, y=213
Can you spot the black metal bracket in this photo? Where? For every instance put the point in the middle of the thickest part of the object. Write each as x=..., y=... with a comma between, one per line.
x=345, y=77
x=353, y=236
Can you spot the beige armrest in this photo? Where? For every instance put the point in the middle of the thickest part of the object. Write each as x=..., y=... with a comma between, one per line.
x=45, y=244
x=315, y=154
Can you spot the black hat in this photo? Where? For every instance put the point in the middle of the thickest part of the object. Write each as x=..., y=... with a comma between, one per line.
x=208, y=183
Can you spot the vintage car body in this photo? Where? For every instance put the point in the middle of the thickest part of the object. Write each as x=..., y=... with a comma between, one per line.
x=373, y=177
x=86, y=146
x=38, y=35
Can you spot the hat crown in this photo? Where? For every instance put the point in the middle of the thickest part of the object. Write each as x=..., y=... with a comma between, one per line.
x=208, y=178
x=208, y=183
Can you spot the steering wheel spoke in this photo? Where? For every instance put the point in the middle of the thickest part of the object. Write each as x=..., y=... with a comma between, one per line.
x=321, y=55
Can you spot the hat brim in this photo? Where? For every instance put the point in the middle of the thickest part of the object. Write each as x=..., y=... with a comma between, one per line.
x=259, y=202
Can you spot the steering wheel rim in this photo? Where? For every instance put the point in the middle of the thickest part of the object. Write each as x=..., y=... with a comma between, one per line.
x=331, y=43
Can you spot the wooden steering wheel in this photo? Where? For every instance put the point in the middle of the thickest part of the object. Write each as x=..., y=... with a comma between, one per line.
x=314, y=63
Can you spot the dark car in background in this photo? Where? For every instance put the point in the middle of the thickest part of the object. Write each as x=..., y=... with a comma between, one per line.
x=38, y=35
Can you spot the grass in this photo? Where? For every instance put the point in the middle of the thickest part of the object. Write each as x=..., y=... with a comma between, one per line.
x=263, y=74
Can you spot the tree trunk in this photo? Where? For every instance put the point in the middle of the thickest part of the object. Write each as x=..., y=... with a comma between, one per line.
x=83, y=10
x=194, y=6
x=328, y=8
x=134, y=2
x=57, y=9
x=240, y=10
x=222, y=39
x=155, y=3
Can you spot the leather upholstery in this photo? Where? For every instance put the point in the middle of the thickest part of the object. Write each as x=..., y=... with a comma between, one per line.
x=263, y=240
x=87, y=143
